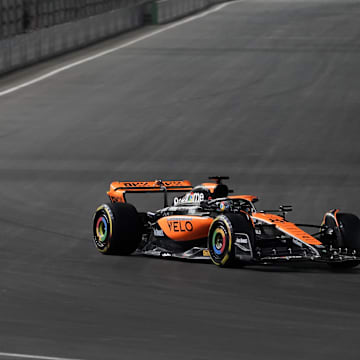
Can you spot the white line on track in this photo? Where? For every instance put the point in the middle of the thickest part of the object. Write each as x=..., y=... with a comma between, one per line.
x=111, y=50
x=35, y=357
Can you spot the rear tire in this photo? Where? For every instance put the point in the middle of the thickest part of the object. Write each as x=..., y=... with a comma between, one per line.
x=221, y=237
x=117, y=229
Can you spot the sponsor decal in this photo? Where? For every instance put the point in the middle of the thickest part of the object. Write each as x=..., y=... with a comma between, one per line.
x=165, y=254
x=187, y=209
x=180, y=226
x=277, y=220
x=206, y=253
x=242, y=238
x=173, y=183
x=136, y=184
x=224, y=205
x=192, y=197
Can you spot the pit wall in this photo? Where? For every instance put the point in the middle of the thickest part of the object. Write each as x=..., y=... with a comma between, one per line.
x=29, y=40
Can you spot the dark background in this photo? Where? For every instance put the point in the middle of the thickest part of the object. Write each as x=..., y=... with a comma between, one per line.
x=266, y=92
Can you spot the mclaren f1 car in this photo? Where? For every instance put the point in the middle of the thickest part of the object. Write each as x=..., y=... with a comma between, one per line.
x=206, y=222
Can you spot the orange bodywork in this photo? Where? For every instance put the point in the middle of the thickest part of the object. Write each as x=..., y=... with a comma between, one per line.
x=210, y=186
x=119, y=189
x=116, y=195
x=185, y=228
x=287, y=227
x=250, y=198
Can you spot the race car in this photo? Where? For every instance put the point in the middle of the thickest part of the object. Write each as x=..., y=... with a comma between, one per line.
x=206, y=222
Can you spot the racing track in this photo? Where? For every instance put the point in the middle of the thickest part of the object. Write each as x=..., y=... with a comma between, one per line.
x=264, y=91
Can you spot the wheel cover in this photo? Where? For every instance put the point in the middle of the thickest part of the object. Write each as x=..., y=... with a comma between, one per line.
x=102, y=228
x=219, y=241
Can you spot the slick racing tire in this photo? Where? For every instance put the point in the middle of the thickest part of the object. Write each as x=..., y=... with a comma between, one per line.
x=346, y=235
x=221, y=237
x=117, y=229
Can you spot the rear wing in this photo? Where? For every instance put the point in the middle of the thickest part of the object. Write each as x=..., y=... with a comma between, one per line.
x=118, y=189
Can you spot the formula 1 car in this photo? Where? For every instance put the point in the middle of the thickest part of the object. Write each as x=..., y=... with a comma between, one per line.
x=205, y=222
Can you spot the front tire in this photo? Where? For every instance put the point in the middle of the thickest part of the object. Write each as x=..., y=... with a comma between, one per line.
x=346, y=234
x=117, y=229
x=221, y=237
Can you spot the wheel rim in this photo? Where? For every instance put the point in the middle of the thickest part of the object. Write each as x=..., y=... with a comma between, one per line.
x=102, y=229
x=219, y=241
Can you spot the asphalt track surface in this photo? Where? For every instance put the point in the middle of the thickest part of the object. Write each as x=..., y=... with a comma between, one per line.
x=266, y=92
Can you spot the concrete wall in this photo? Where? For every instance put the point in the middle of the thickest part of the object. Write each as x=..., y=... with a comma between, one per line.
x=164, y=11
x=21, y=16
x=11, y=17
x=168, y=10
x=28, y=48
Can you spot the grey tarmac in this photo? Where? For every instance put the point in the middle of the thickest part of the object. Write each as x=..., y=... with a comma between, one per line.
x=266, y=92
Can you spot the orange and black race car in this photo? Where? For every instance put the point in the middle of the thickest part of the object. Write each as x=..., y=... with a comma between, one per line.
x=205, y=222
